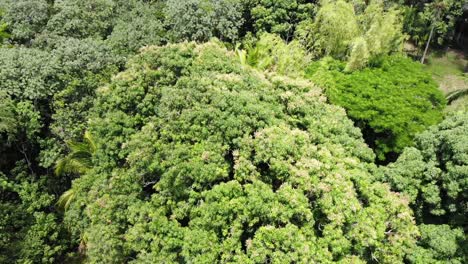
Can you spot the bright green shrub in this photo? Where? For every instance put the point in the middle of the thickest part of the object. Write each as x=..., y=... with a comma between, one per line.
x=391, y=102
x=200, y=159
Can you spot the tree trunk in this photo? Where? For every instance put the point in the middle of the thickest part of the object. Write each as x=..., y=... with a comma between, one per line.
x=427, y=45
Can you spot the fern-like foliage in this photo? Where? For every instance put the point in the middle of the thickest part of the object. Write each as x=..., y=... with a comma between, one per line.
x=78, y=161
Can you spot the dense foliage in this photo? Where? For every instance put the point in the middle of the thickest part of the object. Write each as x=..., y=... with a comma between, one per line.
x=118, y=145
x=200, y=159
x=433, y=174
x=202, y=19
x=271, y=53
x=353, y=31
x=279, y=17
x=438, y=16
x=391, y=101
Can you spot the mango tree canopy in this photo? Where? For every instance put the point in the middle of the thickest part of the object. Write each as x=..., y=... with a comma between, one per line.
x=203, y=160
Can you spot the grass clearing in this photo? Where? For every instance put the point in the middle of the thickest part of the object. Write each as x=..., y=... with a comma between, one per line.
x=447, y=68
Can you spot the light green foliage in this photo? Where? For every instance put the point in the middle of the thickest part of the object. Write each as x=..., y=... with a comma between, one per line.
x=353, y=31
x=359, y=55
x=335, y=26
x=271, y=53
x=4, y=35
x=199, y=159
x=278, y=17
x=434, y=173
x=29, y=119
x=391, y=102
x=3, y=32
x=201, y=20
x=79, y=160
x=26, y=19
x=383, y=29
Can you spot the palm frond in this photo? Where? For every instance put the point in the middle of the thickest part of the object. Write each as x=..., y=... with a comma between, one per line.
x=454, y=95
x=241, y=54
x=88, y=138
x=66, y=199
x=79, y=160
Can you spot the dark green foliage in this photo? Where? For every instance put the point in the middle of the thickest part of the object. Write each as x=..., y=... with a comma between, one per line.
x=434, y=173
x=440, y=244
x=86, y=65
x=26, y=19
x=139, y=27
x=441, y=15
x=81, y=18
x=391, y=101
x=201, y=20
x=29, y=234
x=278, y=16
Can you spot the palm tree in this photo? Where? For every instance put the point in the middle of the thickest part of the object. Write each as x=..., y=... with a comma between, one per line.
x=77, y=162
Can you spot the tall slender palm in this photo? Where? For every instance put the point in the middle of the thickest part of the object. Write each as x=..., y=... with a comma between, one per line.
x=77, y=162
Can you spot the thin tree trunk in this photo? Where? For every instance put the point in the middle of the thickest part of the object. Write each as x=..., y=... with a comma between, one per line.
x=427, y=45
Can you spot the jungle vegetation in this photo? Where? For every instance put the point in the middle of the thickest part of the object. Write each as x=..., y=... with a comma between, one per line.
x=233, y=131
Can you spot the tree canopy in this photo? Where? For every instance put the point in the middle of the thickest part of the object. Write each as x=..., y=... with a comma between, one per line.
x=260, y=169
x=433, y=175
x=233, y=131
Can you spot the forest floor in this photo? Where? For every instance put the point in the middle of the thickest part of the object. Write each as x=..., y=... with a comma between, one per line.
x=448, y=69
